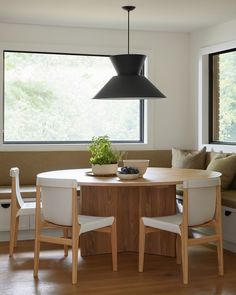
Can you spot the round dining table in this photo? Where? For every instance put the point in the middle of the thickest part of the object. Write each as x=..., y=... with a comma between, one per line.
x=154, y=194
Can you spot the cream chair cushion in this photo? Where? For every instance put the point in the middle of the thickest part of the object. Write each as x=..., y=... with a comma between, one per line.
x=89, y=223
x=169, y=223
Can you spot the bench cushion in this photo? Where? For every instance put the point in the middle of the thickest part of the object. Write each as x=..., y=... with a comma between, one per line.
x=233, y=183
x=229, y=198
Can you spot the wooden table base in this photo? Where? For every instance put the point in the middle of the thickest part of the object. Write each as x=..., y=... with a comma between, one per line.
x=128, y=204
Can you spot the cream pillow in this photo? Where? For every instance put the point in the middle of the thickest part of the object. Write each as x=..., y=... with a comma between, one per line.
x=188, y=159
x=226, y=166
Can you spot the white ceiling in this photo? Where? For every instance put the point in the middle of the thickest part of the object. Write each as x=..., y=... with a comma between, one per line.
x=160, y=15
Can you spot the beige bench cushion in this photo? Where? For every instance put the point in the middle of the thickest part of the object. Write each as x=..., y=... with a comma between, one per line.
x=233, y=183
x=179, y=190
x=229, y=198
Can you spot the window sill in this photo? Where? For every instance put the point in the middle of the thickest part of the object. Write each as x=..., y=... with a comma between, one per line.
x=70, y=147
x=220, y=148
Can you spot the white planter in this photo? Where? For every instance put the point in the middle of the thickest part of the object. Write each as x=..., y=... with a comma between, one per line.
x=104, y=169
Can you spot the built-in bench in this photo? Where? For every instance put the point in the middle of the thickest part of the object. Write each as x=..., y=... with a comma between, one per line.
x=27, y=191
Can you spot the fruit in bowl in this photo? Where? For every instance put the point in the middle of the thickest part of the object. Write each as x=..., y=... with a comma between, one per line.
x=141, y=165
x=129, y=170
x=128, y=173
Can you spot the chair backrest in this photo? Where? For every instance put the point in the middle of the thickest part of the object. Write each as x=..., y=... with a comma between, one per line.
x=201, y=199
x=56, y=197
x=14, y=173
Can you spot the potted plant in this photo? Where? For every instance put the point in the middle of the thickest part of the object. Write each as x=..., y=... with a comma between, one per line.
x=104, y=158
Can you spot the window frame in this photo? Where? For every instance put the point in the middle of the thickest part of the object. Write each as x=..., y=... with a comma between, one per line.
x=214, y=99
x=203, y=97
x=142, y=107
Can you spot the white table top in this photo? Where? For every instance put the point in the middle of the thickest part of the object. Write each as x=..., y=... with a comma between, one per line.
x=153, y=176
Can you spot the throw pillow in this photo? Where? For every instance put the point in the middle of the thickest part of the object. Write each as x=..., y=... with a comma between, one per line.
x=188, y=159
x=226, y=166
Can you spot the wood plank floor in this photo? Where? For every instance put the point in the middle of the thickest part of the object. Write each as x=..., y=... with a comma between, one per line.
x=161, y=274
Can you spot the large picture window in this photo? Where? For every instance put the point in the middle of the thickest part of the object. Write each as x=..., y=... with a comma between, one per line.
x=48, y=99
x=222, y=97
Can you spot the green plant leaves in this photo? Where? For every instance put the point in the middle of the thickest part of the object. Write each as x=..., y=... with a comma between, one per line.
x=102, y=151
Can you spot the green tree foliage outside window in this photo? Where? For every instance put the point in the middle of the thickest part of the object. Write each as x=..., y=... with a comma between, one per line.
x=223, y=96
x=227, y=87
x=48, y=98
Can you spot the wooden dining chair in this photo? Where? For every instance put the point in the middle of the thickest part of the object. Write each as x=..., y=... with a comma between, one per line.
x=201, y=208
x=60, y=210
x=18, y=208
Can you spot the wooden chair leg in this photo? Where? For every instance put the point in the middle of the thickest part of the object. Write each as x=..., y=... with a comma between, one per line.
x=184, y=251
x=38, y=227
x=12, y=235
x=16, y=230
x=178, y=249
x=219, y=245
x=75, y=244
x=218, y=229
x=220, y=257
x=65, y=234
x=141, y=245
x=36, y=256
x=114, y=245
x=13, y=232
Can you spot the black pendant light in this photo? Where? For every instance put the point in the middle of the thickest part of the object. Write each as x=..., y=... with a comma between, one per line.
x=129, y=83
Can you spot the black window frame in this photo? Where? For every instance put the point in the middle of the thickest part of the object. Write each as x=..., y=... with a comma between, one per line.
x=211, y=102
x=141, y=106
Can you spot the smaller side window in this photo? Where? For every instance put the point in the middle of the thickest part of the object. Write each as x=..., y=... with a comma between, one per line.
x=222, y=97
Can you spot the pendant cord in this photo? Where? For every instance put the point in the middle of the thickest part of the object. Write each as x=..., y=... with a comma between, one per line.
x=128, y=32
x=128, y=9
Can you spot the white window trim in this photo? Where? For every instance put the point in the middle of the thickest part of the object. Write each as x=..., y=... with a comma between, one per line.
x=149, y=104
x=203, y=99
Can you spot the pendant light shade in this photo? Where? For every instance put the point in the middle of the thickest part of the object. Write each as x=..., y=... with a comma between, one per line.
x=129, y=82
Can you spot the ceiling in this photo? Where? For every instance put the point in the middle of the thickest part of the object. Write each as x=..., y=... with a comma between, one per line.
x=154, y=15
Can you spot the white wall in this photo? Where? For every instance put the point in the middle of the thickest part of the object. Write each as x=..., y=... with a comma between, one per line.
x=168, y=68
x=213, y=36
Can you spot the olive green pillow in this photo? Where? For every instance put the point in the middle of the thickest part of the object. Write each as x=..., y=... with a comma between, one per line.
x=226, y=166
x=188, y=159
